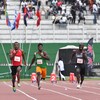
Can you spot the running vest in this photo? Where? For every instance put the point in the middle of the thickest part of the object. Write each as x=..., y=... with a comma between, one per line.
x=17, y=60
x=40, y=61
x=79, y=57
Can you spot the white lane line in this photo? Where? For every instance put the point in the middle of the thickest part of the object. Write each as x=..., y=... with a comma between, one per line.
x=56, y=92
x=75, y=89
x=84, y=86
x=91, y=87
x=21, y=92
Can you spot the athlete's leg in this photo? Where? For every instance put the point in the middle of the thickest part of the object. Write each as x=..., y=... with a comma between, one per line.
x=14, y=70
x=38, y=79
x=44, y=72
x=18, y=75
x=38, y=72
x=78, y=74
x=82, y=73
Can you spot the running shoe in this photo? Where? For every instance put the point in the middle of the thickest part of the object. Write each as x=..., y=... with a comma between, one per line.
x=14, y=89
x=18, y=85
x=78, y=86
x=39, y=87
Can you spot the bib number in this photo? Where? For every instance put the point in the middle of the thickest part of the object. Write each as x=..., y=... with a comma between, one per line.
x=16, y=58
x=79, y=61
x=39, y=61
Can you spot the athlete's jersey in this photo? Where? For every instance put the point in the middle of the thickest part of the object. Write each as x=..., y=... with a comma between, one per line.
x=40, y=61
x=79, y=57
x=17, y=60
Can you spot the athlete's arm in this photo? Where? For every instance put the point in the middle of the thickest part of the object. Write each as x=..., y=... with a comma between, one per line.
x=33, y=59
x=85, y=57
x=45, y=55
x=72, y=55
x=12, y=55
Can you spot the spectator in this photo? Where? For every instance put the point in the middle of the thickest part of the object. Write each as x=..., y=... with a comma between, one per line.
x=54, y=2
x=73, y=12
x=95, y=11
x=59, y=4
x=56, y=20
x=81, y=17
x=63, y=19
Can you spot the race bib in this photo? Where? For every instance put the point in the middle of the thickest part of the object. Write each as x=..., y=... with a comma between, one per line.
x=79, y=61
x=39, y=61
x=16, y=58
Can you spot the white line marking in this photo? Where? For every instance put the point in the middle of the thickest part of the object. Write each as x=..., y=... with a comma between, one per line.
x=21, y=92
x=92, y=87
x=76, y=89
x=55, y=92
x=86, y=86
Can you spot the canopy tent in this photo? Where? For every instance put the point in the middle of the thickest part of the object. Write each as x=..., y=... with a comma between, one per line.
x=65, y=53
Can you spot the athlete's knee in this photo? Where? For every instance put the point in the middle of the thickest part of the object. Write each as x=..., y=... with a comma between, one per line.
x=77, y=70
x=19, y=69
x=38, y=73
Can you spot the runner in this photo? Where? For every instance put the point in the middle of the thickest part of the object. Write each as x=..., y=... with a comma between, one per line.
x=80, y=61
x=16, y=56
x=40, y=57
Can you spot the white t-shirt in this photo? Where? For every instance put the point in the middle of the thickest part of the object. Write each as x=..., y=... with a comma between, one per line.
x=95, y=9
x=61, y=65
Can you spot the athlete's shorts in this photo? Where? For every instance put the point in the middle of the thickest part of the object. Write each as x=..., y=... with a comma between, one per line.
x=42, y=71
x=80, y=68
x=14, y=69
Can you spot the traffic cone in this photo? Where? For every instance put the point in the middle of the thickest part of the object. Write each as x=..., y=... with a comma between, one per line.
x=72, y=77
x=53, y=78
x=33, y=77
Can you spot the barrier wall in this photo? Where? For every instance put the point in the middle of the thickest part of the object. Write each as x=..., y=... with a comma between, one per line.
x=50, y=48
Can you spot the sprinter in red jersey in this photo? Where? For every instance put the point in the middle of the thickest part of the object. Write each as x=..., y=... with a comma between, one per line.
x=16, y=56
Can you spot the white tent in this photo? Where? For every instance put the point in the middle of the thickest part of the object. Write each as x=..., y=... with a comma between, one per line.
x=57, y=56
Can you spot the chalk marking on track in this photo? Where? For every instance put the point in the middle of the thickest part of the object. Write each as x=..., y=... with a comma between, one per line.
x=21, y=91
x=76, y=89
x=54, y=91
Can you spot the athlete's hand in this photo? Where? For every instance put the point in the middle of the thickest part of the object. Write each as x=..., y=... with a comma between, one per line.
x=15, y=52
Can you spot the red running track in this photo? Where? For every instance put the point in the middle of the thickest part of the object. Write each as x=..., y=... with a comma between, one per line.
x=62, y=90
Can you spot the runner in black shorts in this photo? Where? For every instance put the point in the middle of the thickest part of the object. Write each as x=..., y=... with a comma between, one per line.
x=80, y=61
x=16, y=56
